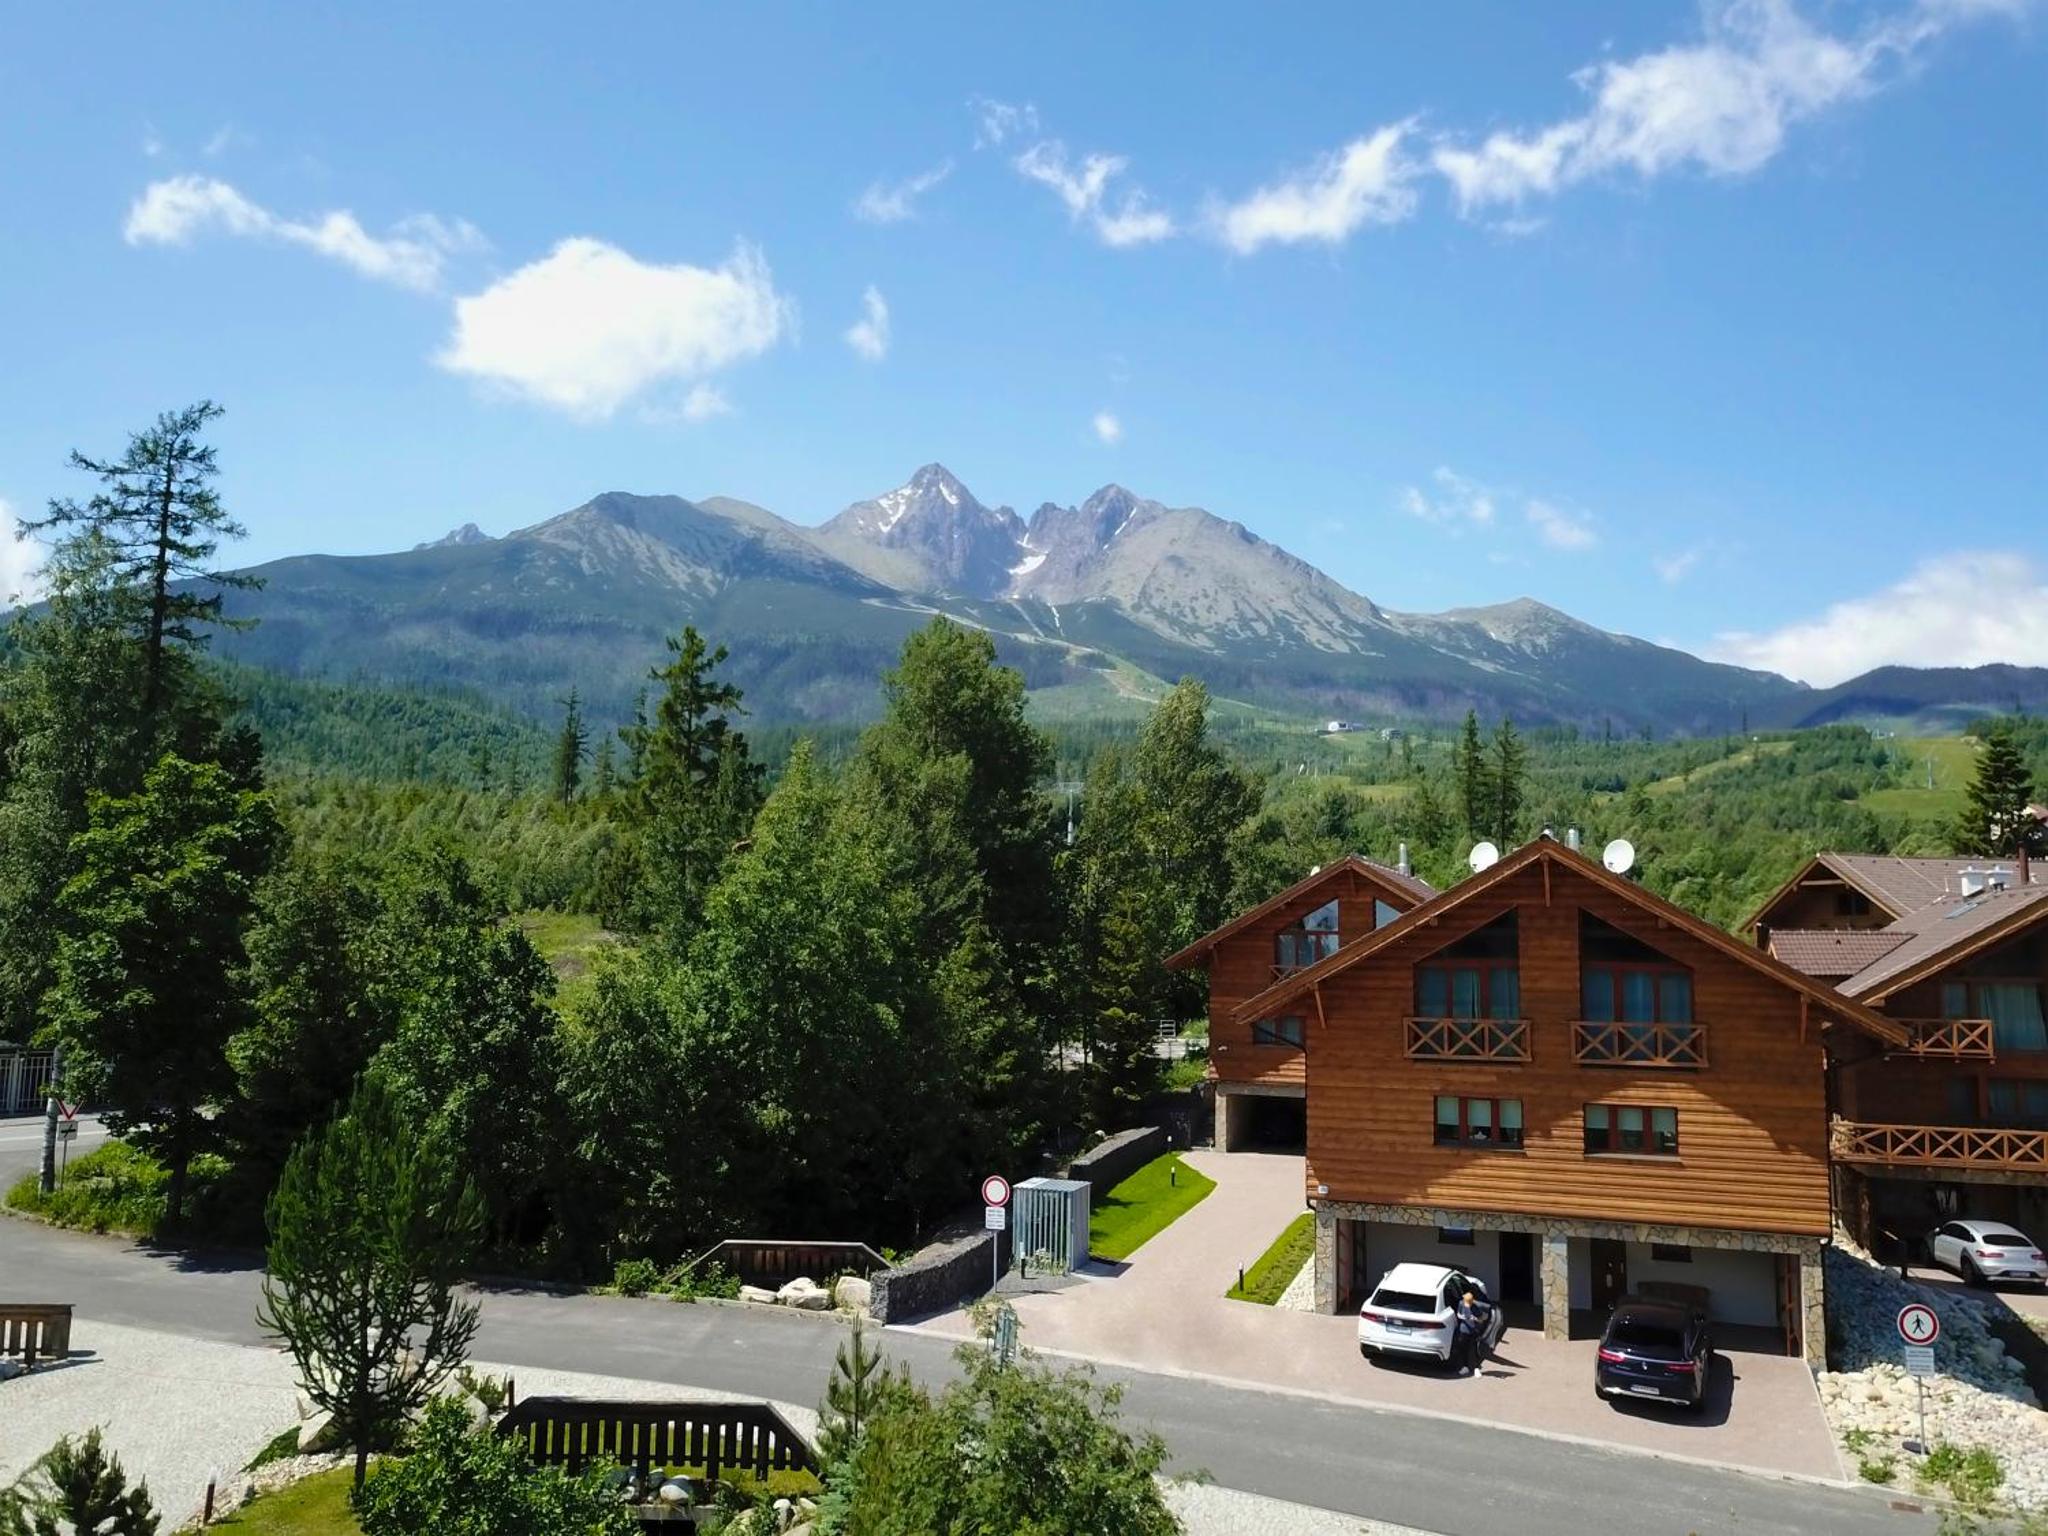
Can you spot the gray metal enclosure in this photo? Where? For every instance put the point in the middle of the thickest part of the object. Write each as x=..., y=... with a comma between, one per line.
x=1049, y=1223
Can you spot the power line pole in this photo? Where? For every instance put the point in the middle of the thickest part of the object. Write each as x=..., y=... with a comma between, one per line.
x=52, y=1104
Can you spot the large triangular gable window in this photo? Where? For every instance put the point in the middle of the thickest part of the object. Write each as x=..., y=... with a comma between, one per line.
x=1478, y=977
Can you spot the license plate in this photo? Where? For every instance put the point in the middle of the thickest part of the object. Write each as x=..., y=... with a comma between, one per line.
x=1646, y=1391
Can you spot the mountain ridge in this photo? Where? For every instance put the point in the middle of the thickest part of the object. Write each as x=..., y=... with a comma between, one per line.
x=1100, y=604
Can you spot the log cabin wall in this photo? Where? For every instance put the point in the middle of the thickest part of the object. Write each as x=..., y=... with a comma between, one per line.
x=1243, y=966
x=1752, y=1124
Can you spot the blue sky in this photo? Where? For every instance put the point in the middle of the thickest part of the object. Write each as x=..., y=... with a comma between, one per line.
x=1722, y=325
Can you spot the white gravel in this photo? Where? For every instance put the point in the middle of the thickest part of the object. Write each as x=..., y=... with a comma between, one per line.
x=175, y=1409
x=1979, y=1396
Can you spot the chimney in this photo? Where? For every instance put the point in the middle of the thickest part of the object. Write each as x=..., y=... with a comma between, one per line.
x=1571, y=838
x=1401, y=861
x=2026, y=866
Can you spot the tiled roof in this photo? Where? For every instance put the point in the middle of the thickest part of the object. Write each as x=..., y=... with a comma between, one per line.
x=1942, y=926
x=1834, y=952
x=1903, y=885
x=1387, y=876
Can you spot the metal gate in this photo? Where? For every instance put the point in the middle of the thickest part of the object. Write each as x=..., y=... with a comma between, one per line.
x=24, y=1081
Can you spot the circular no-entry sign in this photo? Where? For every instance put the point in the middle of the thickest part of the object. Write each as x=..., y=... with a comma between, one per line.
x=1918, y=1324
x=995, y=1190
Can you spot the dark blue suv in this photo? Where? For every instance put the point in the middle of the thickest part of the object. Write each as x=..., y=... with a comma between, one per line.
x=1655, y=1349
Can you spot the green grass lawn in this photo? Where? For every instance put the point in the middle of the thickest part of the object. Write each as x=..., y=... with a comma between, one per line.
x=1144, y=1205
x=1955, y=764
x=113, y=1188
x=1276, y=1268
x=317, y=1506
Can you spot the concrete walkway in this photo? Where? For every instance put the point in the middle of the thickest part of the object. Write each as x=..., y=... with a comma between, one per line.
x=1164, y=1310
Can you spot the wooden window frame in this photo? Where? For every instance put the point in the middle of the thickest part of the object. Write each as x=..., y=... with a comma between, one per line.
x=1648, y=1149
x=1974, y=1002
x=1484, y=966
x=1297, y=938
x=1464, y=1141
x=1615, y=969
x=1267, y=1032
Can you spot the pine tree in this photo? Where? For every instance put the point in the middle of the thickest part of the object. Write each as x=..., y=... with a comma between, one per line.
x=164, y=520
x=370, y=1225
x=572, y=745
x=80, y=1489
x=859, y=1387
x=1508, y=782
x=604, y=771
x=1477, y=797
x=1995, y=820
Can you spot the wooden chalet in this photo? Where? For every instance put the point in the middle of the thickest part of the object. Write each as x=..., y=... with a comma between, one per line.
x=1953, y=1121
x=1556, y=1080
x=1257, y=1065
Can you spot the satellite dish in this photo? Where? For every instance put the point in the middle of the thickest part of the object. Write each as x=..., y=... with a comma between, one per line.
x=1484, y=856
x=1619, y=856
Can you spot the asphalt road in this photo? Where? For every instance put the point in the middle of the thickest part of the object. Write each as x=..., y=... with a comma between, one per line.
x=21, y=1144
x=1457, y=1479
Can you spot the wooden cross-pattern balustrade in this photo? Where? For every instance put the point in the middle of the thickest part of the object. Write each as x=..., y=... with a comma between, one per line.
x=1940, y=1146
x=1950, y=1039
x=1603, y=1044
x=1468, y=1039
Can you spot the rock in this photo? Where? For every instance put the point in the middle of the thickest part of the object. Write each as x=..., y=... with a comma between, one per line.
x=673, y=1492
x=852, y=1293
x=805, y=1293
x=757, y=1293
x=9, y=1369
x=314, y=1432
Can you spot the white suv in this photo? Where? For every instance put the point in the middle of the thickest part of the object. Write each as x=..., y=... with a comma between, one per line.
x=1982, y=1251
x=1414, y=1311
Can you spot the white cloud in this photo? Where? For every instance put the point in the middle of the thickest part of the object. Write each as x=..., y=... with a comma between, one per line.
x=1965, y=609
x=152, y=142
x=1368, y=181
x=1560, y=527
x=1672, y=569
x=869, y=335
x=21, y=560
x=1456, y=501
x=893, y=202
x=1084, y=187
x=1107, y=428
x=588, y=326
x=225, y=138
x=997, y=122
x=176, y=210
x=1722, y=105
x=704, y=401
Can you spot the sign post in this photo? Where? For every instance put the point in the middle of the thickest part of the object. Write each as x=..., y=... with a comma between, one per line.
x=1919, y=1327
x=995, y=1217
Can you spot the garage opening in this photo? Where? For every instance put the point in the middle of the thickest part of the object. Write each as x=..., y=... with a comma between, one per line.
x=1744, y=1292
x=1276, y=1125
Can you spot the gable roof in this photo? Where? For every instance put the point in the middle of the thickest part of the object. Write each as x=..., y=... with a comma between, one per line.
x=1834, y=953
x=1545, y=849
x=1392, y=880
x=1944, y=932
x=1894, y=884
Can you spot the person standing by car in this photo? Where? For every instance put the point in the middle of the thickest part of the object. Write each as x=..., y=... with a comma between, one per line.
x=1468, y=1344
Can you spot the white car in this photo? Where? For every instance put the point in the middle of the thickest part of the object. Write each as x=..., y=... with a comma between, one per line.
x=1982, y=1251
x=1414, y=1311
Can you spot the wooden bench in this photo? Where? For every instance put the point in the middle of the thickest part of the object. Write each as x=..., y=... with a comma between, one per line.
x=574, y=1433
x=32, y=1331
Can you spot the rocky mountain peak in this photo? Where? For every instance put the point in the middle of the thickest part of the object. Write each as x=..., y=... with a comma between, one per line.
x=468, y=533
x=932, y=534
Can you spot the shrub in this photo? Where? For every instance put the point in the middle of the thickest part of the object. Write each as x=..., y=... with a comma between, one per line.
x=115, y=1188
x=634, y=1277
x=1972, y=1477
x=459, y=1480
x=1877, y=1469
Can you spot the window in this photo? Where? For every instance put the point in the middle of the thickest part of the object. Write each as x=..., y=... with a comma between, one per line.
x=1287, y=1030
x=1671, y=1253
x=1622, y=980
x=1382, y=914
x=2017, y=1011
x=1641, y=1130
x=1314, y=938
x=1851, y=904
x=1455, y=1237
x=1478, y=1122
x=2016, y=1104
x=1475, y=978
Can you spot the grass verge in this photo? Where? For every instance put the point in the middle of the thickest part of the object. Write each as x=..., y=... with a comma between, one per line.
x=115, y=1188
x=1144, y=1205
x=315, y=1506
x=1275, y=1269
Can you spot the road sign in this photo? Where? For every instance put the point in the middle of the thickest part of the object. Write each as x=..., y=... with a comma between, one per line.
x=67, y=1130
x=995, y=1190
x=1918, y=1324
x=1919, y=1359
x=995, y=1218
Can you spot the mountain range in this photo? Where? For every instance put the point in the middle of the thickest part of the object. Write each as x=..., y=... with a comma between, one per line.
x=1101, y=605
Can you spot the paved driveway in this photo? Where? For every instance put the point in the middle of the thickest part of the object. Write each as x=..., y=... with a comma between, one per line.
x=2028, y=1301
x=1164, y=1310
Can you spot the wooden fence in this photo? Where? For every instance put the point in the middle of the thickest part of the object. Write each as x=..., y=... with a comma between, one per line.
x=770, y=1262
x=701, y=1439
x=32, y=1331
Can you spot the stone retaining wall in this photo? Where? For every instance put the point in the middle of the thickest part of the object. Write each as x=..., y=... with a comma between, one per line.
x=941, y=1277
x=1116, y=1159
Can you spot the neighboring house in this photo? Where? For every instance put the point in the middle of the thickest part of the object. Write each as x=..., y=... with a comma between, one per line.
x=1256, y=1065
x=1556, y=1080
x=1955, y=1121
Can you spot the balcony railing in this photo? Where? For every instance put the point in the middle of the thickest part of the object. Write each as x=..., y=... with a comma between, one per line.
x=1949, y=1039
x=1468, y=1039
x=1940, y=1146
x=1639, y=1045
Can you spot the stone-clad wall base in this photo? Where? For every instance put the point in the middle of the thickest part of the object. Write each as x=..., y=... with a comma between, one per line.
x=1326, y=1260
